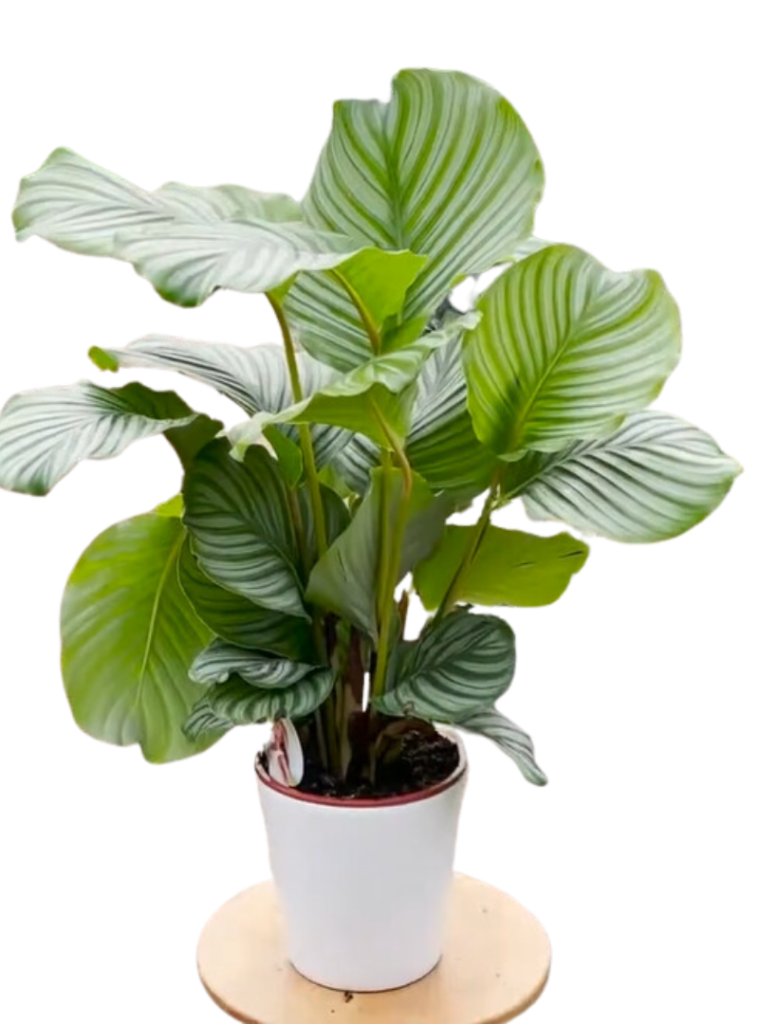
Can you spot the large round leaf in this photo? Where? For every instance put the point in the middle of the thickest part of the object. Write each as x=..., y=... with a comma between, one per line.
x=45, y=433
x=458, y=665
x=446, y=169
x=565, y=349
x=241, y=526
x=239, y=621
x=129, y=636
x=652, y=479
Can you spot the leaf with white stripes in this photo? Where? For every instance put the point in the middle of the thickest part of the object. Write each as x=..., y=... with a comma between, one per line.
x=187, y=242
x=355, y=462
x=459, y=664
x=441, y=445
x=565, y=349
x=509, y=567
x=446, y=169
x=80, y=206
x=220, y=661
x=254, y=378
x=129, y=636
x=188, y=262
x=512, y=740
x=45, y=433
x=322, y=309
x=376, y=395
x=239, y=621
x=239, y=519
x=652, y=479
x=239, y=703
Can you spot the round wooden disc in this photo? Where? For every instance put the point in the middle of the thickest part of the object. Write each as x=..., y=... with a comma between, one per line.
x=495, y=965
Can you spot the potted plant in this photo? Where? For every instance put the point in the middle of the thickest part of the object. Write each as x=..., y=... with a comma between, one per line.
x=275, y=587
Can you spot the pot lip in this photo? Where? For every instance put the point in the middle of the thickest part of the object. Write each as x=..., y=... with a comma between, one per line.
x=381, y=803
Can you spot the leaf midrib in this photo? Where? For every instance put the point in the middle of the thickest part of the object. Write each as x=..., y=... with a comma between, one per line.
x=170, y=563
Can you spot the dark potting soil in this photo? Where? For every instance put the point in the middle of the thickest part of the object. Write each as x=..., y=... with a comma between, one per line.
x=425, y=759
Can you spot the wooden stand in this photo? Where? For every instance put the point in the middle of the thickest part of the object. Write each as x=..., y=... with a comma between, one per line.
x=495, y=965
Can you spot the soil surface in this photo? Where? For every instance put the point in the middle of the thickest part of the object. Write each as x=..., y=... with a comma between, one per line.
x=424, y=761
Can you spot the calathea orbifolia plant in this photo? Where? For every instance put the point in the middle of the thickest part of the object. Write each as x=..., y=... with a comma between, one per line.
x=269, y=589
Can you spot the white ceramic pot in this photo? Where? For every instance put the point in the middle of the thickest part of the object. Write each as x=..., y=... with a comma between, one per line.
x=364, y=886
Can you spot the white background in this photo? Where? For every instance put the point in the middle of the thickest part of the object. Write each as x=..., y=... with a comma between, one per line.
x=639, y=686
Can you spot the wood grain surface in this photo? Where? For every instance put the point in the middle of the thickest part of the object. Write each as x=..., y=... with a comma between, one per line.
x=495, y=965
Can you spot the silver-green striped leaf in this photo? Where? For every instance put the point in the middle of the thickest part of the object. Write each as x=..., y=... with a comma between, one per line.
x=187, y=242
x=45, y=433
x=446, y=169
x=512, y=740
x=239, y=621
x=323, y=309
x=239, y=703
x=129, y=636
x=652, y=479
x=80, y=206
x=240, y=522
x=369, y=399
x=565, y=349
x=254, y=378
x=441, y=445
x=459, y=664
x=220, y=661
x=188, y=262
x=346, y=579
x=355, y=463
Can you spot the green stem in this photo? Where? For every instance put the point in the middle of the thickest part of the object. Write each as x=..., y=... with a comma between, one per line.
x=451, y=594
x=396, y=444
x=391, y=551
x=306, y=443
x=325, y=715
x=366, y=319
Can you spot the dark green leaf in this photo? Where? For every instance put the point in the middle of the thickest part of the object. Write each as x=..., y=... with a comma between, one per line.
x=240, y=621
x=240, y=523
x=220, y=661
x=459, y=664
x=239, y=703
